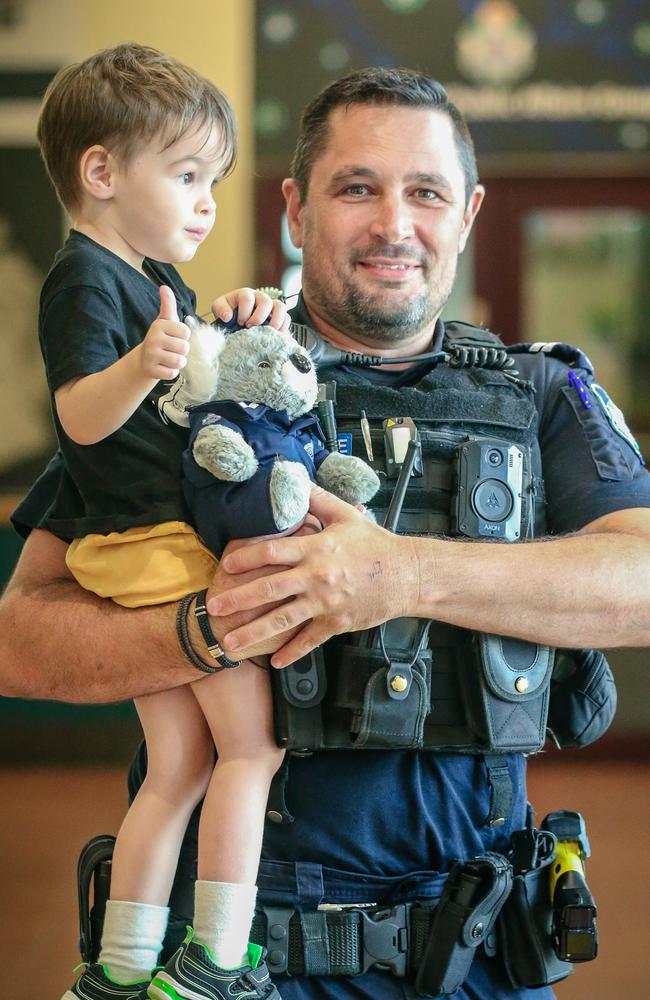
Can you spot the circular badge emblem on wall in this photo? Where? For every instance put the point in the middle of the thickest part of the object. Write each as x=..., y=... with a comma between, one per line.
x=496, y=46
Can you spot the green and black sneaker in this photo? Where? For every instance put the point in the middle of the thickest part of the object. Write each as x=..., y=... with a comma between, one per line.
x=94, y=984
x=191, y=974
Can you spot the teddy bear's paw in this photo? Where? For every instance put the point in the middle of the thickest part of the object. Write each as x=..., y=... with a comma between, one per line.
x=224, y=453
x=290, y=487
x=348, y=477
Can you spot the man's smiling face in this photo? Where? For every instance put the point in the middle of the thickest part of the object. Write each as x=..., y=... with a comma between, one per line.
x=383, y=222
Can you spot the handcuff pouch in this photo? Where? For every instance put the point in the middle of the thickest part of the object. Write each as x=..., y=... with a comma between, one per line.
x=515, y=691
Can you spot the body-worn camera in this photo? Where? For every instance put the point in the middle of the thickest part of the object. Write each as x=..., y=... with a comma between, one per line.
x=487, y=502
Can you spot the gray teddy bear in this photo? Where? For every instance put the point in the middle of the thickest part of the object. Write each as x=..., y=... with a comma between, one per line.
x=254, y=446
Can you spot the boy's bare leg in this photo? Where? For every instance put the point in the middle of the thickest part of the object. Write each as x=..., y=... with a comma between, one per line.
x=237, y=705
x=180, y=762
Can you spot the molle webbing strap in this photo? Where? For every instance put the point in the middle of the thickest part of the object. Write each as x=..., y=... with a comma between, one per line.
x=316, y=944
x=502, y=790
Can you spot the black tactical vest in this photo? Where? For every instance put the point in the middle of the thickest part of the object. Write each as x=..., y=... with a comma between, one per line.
x=432, y=685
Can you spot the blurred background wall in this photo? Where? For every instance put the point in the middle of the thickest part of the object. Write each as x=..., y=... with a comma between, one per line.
x=557, y=97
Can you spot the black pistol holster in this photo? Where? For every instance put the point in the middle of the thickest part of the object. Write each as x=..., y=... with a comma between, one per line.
x=93, y=868
x=525, y=925
x=474, y=893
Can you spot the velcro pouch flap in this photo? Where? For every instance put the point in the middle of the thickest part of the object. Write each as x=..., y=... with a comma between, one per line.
x=583, y=697
x=383, y=716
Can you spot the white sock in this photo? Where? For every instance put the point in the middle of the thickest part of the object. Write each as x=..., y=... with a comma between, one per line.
x=132, y=939
x=223, y=914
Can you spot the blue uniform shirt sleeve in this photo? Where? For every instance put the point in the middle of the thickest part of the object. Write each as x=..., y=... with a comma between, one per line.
x=592, y=466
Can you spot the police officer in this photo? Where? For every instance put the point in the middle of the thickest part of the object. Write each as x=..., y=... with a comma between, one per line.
x=382, y=199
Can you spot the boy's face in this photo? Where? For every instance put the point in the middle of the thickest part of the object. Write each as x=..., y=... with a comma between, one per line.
x=163, y=205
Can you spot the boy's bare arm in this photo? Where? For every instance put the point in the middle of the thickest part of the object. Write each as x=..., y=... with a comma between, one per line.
x=94, y=406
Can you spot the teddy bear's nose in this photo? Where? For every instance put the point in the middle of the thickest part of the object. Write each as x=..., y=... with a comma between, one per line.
x=301, y=362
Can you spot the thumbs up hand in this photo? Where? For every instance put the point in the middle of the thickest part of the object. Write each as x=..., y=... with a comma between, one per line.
x=165, y=347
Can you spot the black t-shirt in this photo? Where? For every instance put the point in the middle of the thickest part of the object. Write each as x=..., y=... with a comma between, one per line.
x=94, y=309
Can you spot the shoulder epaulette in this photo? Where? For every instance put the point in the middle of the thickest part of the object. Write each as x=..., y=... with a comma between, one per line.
x=571, y=355
x=464, y=334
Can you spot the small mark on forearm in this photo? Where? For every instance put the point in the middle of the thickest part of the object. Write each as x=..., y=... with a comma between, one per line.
x=376, y=570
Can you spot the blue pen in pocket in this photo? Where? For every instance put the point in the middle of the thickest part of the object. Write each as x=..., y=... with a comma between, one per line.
x=580, y=387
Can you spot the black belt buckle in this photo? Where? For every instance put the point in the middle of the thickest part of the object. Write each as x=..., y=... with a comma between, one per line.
x=386, y=939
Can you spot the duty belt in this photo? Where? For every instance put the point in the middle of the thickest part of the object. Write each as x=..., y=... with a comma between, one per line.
x=433, y=943
x=343, y=940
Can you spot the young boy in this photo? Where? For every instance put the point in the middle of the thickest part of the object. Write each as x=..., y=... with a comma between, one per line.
x=134, y=143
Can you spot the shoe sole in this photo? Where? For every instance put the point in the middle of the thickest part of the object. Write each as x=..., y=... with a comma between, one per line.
x=164, y=991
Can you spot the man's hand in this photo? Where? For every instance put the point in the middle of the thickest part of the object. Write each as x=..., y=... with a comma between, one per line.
x=254, y=308
x=163, y=352
x=224, y=581
x=350, y=576
x=223, y=624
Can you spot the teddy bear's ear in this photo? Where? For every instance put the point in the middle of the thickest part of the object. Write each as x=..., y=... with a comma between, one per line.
x=206, y=341
x=201, y=371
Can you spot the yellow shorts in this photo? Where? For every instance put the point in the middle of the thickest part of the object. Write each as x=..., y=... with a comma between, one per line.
x=142, y=566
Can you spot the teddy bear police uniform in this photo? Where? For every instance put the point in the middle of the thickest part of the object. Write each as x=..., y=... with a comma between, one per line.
x=225, y=510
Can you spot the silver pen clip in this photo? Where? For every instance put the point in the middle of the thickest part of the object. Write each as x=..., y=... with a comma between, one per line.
x=367, y=440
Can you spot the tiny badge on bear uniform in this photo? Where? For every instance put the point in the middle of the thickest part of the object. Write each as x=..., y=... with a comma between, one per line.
x=615, y=417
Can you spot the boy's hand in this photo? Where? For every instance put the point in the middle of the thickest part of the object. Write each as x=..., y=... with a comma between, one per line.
x=254, y=308
x=163, y=352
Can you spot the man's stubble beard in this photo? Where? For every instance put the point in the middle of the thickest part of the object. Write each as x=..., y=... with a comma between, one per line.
x=361, y=315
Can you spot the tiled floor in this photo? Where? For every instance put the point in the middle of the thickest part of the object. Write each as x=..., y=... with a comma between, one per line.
x=47, y=813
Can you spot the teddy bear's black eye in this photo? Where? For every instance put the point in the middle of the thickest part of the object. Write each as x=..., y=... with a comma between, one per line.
x=264, y=364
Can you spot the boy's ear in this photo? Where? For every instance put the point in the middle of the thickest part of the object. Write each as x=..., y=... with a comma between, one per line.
x=97, y=172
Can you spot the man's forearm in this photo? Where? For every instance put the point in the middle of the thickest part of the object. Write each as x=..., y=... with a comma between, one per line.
x=587, y=590
x=591, y=589
x=62, y=643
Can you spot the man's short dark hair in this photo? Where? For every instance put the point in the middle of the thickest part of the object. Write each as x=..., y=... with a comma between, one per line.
x=376, y=85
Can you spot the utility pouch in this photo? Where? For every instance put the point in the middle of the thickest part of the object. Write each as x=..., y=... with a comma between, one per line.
x=526, y=921
x=471, y=900
x=387, y=694
x=583, y=697
x=302, y=686
x=515, y=693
